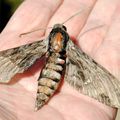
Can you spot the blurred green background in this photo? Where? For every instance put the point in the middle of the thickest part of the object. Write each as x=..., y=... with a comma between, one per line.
x=7, y=8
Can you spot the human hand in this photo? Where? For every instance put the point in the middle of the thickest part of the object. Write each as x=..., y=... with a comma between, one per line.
x=17, y=99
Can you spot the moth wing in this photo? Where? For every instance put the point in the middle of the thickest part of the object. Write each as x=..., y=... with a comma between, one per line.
x=90, y=78
x=19, y=59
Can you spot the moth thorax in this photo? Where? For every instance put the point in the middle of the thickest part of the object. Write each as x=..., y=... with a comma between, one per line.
x=57, y=42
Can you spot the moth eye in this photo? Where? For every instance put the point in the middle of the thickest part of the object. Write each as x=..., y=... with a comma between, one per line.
x=64, y=28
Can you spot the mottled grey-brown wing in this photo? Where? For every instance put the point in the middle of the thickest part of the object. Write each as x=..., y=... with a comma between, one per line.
x=90, y=78
x=17, y=60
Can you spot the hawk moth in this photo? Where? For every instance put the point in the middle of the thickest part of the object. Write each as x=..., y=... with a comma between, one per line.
x=81, y=71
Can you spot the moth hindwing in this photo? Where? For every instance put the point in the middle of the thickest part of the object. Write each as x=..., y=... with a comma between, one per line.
x=82, y=72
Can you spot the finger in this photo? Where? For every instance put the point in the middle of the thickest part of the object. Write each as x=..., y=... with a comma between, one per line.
x=30, y=15
x=100, y=15
x=111, y=46
x=69, y=8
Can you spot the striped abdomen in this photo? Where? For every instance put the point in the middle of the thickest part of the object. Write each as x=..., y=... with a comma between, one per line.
x=50, y=78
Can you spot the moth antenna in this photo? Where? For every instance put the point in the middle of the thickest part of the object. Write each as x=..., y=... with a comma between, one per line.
x=75, y=14
x=93, y=28
x=33, y=31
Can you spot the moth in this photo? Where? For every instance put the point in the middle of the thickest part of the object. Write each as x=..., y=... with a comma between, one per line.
x=62, y=57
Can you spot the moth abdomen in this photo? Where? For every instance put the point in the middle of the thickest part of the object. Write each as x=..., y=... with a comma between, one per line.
x=55, y=67
x=48, y=82
x=52, y=74
x=49, y=79
x=46, y=88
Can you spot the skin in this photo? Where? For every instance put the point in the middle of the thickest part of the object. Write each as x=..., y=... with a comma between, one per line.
x=102, y=44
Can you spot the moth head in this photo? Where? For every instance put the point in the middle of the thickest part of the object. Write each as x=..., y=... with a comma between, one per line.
x=61, y=26
x=58, y=38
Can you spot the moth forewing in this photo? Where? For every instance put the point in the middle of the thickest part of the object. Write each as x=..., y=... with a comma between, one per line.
x=90, y=78
x=19, y=59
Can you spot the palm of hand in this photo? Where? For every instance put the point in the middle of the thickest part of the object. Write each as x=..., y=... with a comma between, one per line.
x=18, y=98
